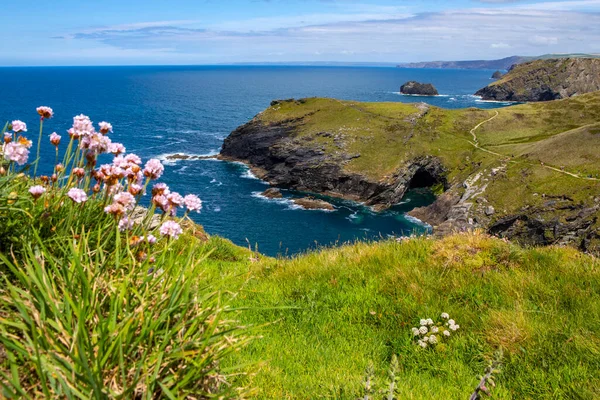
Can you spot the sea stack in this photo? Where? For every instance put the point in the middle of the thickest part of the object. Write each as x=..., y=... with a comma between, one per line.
x=416, y=88
x=497, y=75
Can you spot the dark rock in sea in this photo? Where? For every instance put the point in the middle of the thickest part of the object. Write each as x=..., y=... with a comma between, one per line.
x=544, y=80
x=310, y=203
x=272, y=193
x=497, y=75
x=423, y=89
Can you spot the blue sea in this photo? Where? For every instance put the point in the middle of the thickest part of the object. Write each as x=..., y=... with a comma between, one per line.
x=156, y=111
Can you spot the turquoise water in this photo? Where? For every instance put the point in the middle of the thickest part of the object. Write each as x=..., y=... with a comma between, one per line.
x=156, y=111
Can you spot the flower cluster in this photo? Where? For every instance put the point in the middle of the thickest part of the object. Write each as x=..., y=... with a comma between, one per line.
x=118, y=184
x=431, y=333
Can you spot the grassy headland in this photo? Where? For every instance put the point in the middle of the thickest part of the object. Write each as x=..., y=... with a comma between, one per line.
x=533, y=162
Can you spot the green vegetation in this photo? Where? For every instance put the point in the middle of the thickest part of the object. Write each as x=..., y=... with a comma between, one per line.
x=542, y=150
x=90, y=309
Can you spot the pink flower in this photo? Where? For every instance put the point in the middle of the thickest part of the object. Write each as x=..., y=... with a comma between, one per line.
x=55, y=138
x=19, y=126
x=192, y=202
x=160, y=188
x=133, y=158
x=125, y=199
x=95, y=142
x=105, y=127
x=116, y=148
x=125, y=224
x=161, y=202
x=17, y=152
x=153, y=169
x=135, y=189
x=77, y=195
x=175, y=199
x=151, y=239
x=82, y=126
x=115, y=209
x=45, y=112
x=37, y=191
x=78, y=172
x=171, y=229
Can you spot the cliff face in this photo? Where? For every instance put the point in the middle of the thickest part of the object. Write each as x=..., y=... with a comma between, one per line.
x=529, y=172
x=545, y=80
x=278, y=155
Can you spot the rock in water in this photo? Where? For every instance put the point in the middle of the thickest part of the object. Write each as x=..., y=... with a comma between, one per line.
x=423, y=89
x=310, y=203
x=544, y=80
x=497, y=75
x=272, y=193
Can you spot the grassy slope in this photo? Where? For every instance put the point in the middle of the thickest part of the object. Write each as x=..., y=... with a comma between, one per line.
x=561, y=134
x=324, y=316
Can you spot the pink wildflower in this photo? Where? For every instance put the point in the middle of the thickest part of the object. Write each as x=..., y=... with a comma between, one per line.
x=161, y=202
x=77, y=195
x=125, y=224
x=36, y=191
x=78, y=172
x=126, y=199
x=45, y=112
x=55, y=138
x=171, y=229
x=160, y=188
x=133, y=158
x=153, y=169
x=135, y=189
x=192, y=202
x=16, y=152
x=82, y=126
x=95, y=142
x=19, y=126
x=151, y=239
x=175, y=199
x=115, y=209
x=105, y=127
x=116, y=148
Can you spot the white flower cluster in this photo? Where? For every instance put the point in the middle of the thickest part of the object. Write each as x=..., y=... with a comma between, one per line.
x=426, y=333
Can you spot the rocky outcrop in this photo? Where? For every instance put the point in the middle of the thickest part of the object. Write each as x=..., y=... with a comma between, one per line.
x=544, y=80
x=272, y=193
x=497, y=75
x=310, y=203
x=416, y=88
x=180, y=156
x=284, y=159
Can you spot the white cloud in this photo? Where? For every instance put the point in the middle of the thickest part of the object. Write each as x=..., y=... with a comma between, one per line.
x=543, y=40
x=500, y=46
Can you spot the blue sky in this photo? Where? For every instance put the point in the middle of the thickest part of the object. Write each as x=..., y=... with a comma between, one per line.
x=126, y=32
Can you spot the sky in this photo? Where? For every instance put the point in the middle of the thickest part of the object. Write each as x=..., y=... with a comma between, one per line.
x=153, y=32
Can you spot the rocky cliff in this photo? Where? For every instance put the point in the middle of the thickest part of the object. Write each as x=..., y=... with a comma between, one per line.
x=529, y=172
x=544, y=80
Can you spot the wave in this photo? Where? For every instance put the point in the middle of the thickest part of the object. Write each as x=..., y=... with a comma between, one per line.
x=416, y=221
x=420, y=95
x=248, y=174
x=164, y=158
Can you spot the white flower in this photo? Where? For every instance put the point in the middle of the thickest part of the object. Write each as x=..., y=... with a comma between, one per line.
x=422, y=344
x=426, y=339
x=433, y=339
x=423, y=330
x=415, y=331
x=445, y=315
x=423, y=322
x=446, y=333
x=429, y=321
x=434, y=329
x=454, y=327
x=450, y=322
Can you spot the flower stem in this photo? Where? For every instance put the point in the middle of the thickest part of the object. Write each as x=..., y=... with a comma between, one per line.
x=37, y=156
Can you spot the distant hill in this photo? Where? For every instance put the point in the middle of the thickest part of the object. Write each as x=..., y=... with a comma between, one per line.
x=502, y=64
x=546, y=79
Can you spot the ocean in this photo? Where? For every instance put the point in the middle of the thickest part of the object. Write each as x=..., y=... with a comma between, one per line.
x=156, y=111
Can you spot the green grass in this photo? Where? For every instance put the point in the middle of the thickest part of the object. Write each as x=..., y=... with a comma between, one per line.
x=323, y=317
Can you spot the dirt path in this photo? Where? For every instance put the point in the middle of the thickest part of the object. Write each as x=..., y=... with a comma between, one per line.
x=475, y=143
